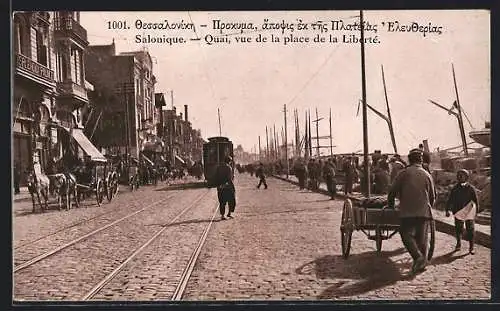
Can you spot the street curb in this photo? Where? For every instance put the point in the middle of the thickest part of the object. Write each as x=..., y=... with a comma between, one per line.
x=481, y=238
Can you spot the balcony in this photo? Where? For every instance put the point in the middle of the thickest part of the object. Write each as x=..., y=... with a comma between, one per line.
x=67, y=27
x=73, y=90
x=43, y=16
x=34, y=71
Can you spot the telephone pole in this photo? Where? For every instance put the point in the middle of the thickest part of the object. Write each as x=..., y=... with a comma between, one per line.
x=220, y=129
x=259, y=150
x=286, y=145
x=267, y=146
x=365, y=118
x=317, y=132
x=331, y=143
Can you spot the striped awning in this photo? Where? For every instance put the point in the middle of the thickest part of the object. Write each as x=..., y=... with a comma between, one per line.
x=87, y=146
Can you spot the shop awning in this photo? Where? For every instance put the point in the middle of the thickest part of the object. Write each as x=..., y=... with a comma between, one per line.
x=180, y=159
x=87, y=146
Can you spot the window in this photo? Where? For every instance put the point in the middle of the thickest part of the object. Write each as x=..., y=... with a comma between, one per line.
x=41, y=49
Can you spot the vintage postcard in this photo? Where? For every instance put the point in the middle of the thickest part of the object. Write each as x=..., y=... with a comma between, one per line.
x=251, y=156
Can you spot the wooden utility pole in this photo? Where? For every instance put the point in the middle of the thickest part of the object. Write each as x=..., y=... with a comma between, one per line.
x=310, y=136
x=460, y=118
x=365, y=118
x=267, y=146
x=286, y=145
x=317, y=133
x=171, y=130
x=331, y=142
x=276, y=142
x=220, y=128
x=127, y=122
x=259, y=150
x=306, y=139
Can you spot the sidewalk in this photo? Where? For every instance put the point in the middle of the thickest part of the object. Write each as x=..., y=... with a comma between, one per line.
x=443, y=223
x=23, y=196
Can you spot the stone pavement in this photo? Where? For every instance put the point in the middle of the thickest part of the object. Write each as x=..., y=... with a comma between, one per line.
x=284, y=244
x=443, y=223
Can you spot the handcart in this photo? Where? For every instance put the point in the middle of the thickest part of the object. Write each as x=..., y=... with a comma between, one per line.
x=378, y=222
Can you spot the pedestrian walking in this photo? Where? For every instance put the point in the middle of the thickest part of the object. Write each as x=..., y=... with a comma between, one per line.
x=415, y=189
x=463, y=203
x=329, y=175
x=17, y=177
x=226, y=192
x=261, y=175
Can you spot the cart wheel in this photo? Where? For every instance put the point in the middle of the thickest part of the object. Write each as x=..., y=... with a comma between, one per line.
x=378, y=239
x=432, y=239
x=99, y=192
x=346, y=227
x=109, y=189
x=115, y=186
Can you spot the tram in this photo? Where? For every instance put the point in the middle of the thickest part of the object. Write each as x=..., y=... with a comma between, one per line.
x=214, y=153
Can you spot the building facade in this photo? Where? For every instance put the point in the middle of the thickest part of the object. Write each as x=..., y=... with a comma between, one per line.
x=123, y=117
x=183, y=144
x=50, y=90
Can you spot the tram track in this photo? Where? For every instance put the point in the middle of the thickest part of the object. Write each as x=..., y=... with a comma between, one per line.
x=187, y=271
x=68, y=274
x=72, y=242
x=137, y=199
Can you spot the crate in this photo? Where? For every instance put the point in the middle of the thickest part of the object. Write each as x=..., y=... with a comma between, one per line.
x=374, y=216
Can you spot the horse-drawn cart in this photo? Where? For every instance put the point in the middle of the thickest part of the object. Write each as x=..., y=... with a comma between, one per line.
x=378, y=222
x=92, y=180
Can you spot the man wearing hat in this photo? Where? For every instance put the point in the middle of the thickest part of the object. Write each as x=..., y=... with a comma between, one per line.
x=415, y=189
x=397, y=165
x=225, y=188
x=261, y=175
x=463, y=203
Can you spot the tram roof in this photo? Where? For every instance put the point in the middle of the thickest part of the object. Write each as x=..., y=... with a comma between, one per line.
x=218, y=139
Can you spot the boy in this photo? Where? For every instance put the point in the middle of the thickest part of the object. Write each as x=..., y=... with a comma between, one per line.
x=463, y=203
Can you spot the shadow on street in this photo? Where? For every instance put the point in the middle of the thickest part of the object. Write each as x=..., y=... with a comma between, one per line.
x=371, y=270
x=446, y=258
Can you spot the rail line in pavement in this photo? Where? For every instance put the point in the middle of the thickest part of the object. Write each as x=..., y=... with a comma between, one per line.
x=188, y=270
x=136, y=198
x=47, y=254
x=97, y=288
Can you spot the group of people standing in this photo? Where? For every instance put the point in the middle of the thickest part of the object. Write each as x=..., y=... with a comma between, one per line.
x=411, y=183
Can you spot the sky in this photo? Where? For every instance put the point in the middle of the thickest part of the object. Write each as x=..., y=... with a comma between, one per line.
x=251, y=82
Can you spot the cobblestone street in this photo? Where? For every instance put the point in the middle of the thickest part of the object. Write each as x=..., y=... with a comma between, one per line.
x=283, y=244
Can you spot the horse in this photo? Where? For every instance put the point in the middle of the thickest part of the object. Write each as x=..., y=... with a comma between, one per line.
x=64, y=184
x=38, y=184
